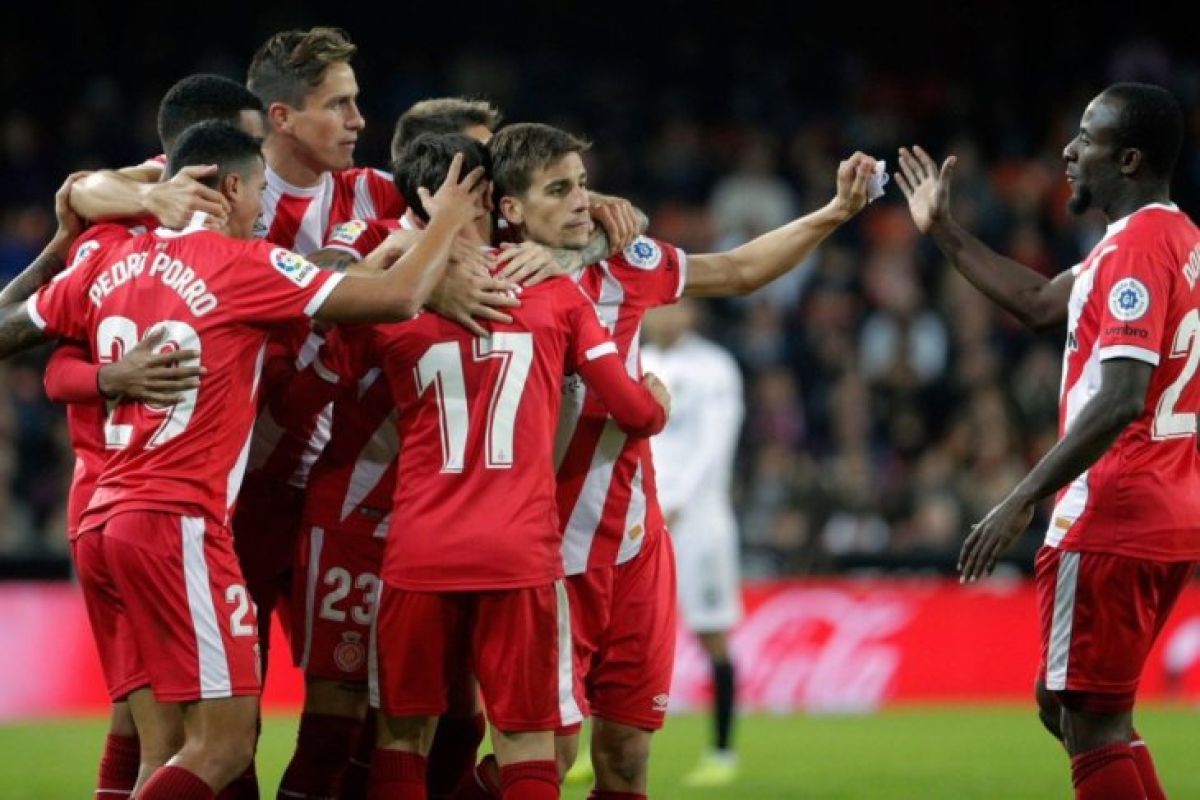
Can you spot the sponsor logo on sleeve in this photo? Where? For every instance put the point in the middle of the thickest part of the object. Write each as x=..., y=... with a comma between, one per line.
x=348, y=232
x=643, y=253
x=1129, y=299
x=1127, y=331
x=293, y=266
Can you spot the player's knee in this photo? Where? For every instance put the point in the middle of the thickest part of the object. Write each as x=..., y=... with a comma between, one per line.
x=1049, y=711
x=566, y=750
x=624, y=753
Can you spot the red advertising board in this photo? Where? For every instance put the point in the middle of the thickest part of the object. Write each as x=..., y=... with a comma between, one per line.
x=811, y=646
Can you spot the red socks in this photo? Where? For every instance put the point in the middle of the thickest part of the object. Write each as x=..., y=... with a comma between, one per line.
x=530, y=780
x=244, y=787
x=175, y=783
x=323, y=747
x=1107, y=773
x=1145, y=767
x=601, y=794
x=452, y=757
x=481, y=783
x=396, y=775
x=358, y=768
x=118, y=766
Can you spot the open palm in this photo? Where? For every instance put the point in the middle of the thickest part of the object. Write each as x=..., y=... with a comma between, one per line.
x=925, y=187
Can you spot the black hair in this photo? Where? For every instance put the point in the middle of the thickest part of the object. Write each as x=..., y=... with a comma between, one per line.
x=201, y=97
x=426, y=160
x=1149, y=120
x=214, y=142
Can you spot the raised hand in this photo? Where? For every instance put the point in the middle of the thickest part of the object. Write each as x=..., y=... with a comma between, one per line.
x=529, y=263
x=852, y=177
x=925, y=186
x=460, y=200
x=70, y=224
x=176, y=201
x=149, y=377
x=617, y=217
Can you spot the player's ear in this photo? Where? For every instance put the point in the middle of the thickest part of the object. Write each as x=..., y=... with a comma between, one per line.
x=279, y=115
x=232, y=185
x=512, y=210
x=1131, y=160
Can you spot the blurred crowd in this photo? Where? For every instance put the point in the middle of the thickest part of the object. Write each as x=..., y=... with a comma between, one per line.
x=888, y=404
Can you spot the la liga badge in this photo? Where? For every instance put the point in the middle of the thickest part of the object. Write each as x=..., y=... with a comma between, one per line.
x=1129, y=299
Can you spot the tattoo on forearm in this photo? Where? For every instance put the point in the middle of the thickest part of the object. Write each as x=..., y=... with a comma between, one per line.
x=335, y=260
x=17, y=331
x=32, y=278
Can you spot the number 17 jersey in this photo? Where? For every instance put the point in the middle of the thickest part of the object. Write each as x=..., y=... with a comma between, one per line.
x=212, y=294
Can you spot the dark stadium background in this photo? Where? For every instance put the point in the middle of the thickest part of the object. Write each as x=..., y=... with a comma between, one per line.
x=720, y=122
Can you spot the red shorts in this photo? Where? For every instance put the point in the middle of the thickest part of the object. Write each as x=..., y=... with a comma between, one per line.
x=266, y=525
x=168, y=607
x=623, y=618
x=1100, y=614
x=517, y=642
x=334, y=594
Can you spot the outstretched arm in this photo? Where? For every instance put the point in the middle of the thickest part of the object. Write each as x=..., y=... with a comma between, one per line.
x=110, y=194
x=1035, y=300
x=762, y=260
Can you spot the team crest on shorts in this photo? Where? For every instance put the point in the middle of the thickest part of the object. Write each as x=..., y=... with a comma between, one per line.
x=643, y=253
x=295, y=267
x=348, y=232
x=350, y=653
x=1129, y=299
x=660, y=703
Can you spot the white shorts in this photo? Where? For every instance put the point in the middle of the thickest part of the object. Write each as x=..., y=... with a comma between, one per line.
x=706, y=553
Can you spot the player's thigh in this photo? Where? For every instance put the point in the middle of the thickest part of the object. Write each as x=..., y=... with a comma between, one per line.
x=521, y=649
x=630, y=682
x=188, y=606
x=1100, y=616
x=421, y=646
x=112, y=630
x=334, y=597
x=709, y=581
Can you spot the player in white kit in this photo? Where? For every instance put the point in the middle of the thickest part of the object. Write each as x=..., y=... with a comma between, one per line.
x=694, y=460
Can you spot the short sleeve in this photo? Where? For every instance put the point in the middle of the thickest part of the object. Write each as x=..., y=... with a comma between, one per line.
x=276, y=285
x=60, y=308
x=657, y=271
x=1133, y=288
x=587, y=336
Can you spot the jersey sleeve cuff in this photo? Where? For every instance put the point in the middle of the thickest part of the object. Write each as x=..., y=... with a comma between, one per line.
x=322, y=294
x=344, y=248
x=683, y=265
x=1129, y=351
x=32, y=310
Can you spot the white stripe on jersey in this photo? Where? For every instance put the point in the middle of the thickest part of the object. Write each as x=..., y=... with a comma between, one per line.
x=635, y=519
x=568, y=709
x=363, y=480
x=1059, y=648
x=233, y=485
x=210, y=646
x=589, y=508
x=364, y=203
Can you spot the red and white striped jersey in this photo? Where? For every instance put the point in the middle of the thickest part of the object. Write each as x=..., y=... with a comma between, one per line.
x=300, y=217
x=607, y=503
x=1135, y=296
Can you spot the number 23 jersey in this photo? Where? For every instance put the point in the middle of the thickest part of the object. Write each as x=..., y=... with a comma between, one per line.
x=1136, y=296
x=212, y=294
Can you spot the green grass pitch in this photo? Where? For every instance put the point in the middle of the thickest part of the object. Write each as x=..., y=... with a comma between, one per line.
x=936, y=752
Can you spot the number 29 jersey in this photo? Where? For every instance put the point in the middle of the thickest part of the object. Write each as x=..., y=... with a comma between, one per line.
x=212, y=294
x=1136, y=296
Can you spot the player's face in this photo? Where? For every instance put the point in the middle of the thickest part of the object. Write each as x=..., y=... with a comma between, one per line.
x=327, y=126
x=1093, y=169
x=245, y=201
x=554, y=211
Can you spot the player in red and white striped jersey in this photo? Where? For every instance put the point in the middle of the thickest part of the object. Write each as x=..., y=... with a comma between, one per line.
x=1124, y=534
x=184, y=459
x=615, y=551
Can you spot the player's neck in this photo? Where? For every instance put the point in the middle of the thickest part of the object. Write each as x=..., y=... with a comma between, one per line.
x=1135, y=198
x=284, y=161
